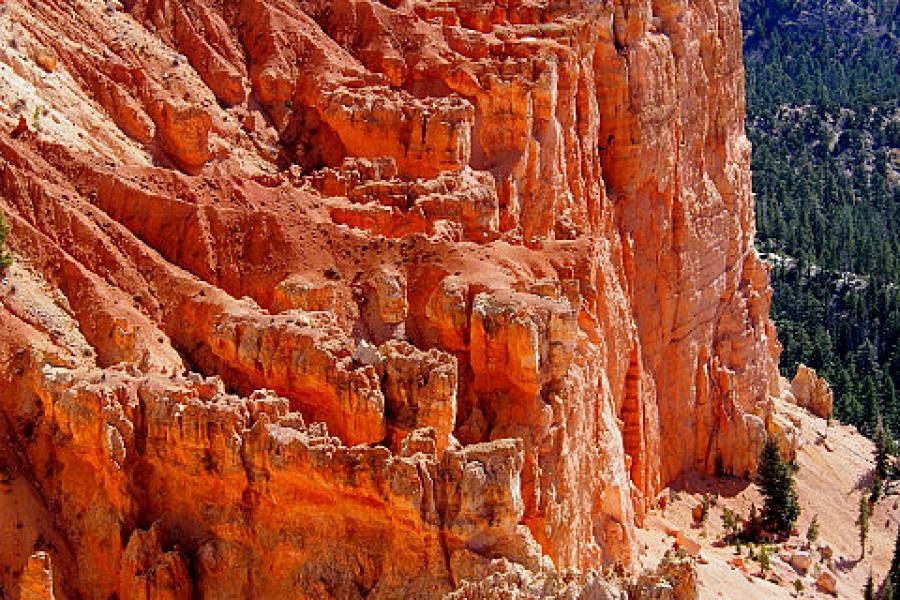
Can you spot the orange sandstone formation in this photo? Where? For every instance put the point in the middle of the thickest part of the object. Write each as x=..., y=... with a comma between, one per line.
x=359, y=298
x=37, y=579
x=812, y=392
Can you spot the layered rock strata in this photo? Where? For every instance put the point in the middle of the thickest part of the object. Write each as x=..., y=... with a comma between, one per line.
x=356, y=299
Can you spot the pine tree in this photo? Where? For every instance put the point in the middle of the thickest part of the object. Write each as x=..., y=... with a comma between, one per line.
x=776, y=480
x=867, y=355
x=877, y=489
x=729, y=524
x=890, y=408
x=863, y=521
x=812, y=534
x=844, y=396
x=894, y=574
x=765, y=562
x=871, y=412
x=869, y=590
x=883, y=449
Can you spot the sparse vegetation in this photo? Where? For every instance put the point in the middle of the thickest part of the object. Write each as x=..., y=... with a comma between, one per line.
x=764, y=559
x=863, y=521
x=730, y=524
x=706, y=503
x=894, y=573
x=5, y=256
x=812, y=533
x=36, y=119
x=776, y=481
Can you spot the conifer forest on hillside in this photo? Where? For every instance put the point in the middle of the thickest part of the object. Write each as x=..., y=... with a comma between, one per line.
x=823, y=83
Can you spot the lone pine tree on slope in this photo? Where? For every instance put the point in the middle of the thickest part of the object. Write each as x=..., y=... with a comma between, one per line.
x=776, y=481
x=863, y=521
x=869, y=590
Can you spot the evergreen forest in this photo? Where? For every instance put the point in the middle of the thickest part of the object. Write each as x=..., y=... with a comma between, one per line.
x=823, y=84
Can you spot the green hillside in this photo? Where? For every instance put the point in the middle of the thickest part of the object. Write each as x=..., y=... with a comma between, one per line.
x=823, y=85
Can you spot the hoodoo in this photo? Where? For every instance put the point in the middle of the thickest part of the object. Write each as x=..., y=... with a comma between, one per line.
x=359, y=298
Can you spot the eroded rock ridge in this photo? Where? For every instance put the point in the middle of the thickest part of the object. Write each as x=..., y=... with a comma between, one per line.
x=368, y=299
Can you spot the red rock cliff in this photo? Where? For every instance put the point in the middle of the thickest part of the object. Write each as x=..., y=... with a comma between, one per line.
x=347, y=298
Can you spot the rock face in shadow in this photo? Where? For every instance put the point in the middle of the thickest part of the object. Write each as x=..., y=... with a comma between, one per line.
x=351, y=298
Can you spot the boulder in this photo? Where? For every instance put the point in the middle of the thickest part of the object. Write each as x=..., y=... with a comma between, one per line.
x=675, y=578
x=689, y=545
x=801, y=561
x=184, y=130
x=827, y=583
x=45, y=59
x=697, y=513
x=738, y=563
x=812, y=392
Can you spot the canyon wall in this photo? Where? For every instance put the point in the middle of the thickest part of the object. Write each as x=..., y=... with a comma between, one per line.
x=361, y=299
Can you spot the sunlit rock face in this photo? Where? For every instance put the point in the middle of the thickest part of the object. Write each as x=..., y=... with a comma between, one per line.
x=340, y=299
x=812, y=392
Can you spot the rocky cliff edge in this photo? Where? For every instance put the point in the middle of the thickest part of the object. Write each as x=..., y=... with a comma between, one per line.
x=355, y=298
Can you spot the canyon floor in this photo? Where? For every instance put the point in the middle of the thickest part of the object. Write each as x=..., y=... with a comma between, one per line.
x=835, y=466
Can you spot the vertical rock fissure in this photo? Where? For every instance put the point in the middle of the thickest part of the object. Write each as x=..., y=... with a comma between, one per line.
x=633, y=421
